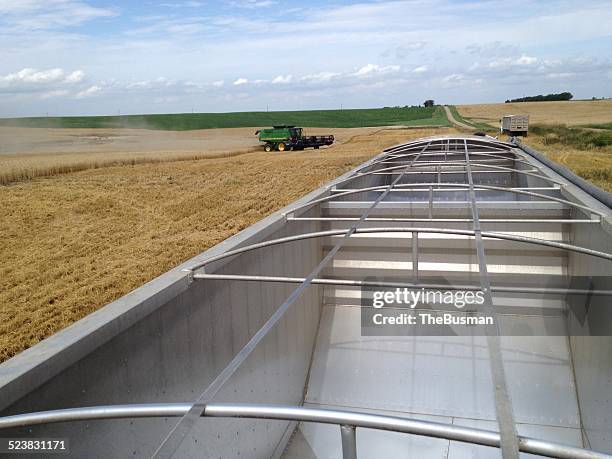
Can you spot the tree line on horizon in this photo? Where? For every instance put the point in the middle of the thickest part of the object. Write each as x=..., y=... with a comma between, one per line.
x=542, y=98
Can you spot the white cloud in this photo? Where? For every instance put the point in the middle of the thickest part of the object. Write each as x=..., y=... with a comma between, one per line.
x=160, y=82
x=282, y=79
x=165, y=99
x=252, y=4
x=29, y=75
x=145, y=84
x=190, y=4
x=495, y=48
x=373, y=69
x=218, y=83
x=91, y=91
x=560, y=75
x=409, y=47
x=29, y=15
x=54, y=93
x=320, y=77
x=522, y=61
x=75, y=77
x=240, y=81
x=405, y=50
x=453, y=80
x=526, y=60
x=420, y=69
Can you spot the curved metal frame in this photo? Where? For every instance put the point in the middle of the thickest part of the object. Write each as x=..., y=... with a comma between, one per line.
x=407, y=187
x=401, y=150
x=497, y=158
x=478, y=141
x=498, y=188
x=302, y=414
x=452, y=152
x=475, y=153
x=451, y=163
x=487, y=234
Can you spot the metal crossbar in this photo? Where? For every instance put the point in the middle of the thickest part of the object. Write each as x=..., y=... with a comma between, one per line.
x=503, y=403
x=412, y=285
x=348, y=420
x=445, y=220
x=442, y=188
x=497, y=157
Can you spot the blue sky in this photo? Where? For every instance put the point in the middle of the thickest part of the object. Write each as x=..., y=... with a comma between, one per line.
x=70, y=57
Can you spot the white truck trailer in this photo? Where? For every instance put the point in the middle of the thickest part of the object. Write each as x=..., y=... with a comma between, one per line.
x=515, y=125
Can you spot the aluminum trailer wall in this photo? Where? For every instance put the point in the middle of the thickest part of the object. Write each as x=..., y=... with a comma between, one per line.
x=592, y=354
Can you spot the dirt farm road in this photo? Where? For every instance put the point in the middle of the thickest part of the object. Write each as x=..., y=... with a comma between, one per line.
x=457, y=123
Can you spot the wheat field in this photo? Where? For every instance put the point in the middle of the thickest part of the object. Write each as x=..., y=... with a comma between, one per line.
x=570, y=113
x=76, y=241
x=594, y=165
x=591, y=162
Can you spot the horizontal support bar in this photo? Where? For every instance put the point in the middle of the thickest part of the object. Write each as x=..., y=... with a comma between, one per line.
x=443, y=220
x=358, y=283
x=464, y=188
x=455, y=152
x=452, y=172
x=447, y=151
x=491, y=166
x=399, y=162
x=449, y=204
x=302, y=414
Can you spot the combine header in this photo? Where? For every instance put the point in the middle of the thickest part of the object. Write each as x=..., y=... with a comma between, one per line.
x=283, y=138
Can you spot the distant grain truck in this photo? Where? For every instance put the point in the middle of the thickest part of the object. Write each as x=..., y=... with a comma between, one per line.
x=515, y=125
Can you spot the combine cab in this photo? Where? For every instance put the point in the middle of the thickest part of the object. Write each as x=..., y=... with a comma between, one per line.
x=283, y=138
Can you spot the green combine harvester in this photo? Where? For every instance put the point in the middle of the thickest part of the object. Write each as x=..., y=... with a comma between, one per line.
x=283, y=138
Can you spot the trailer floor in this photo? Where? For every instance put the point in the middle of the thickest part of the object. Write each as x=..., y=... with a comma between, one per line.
x=441, y=379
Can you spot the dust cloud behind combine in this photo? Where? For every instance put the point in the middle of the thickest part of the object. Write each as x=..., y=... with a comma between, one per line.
x=27, y=153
